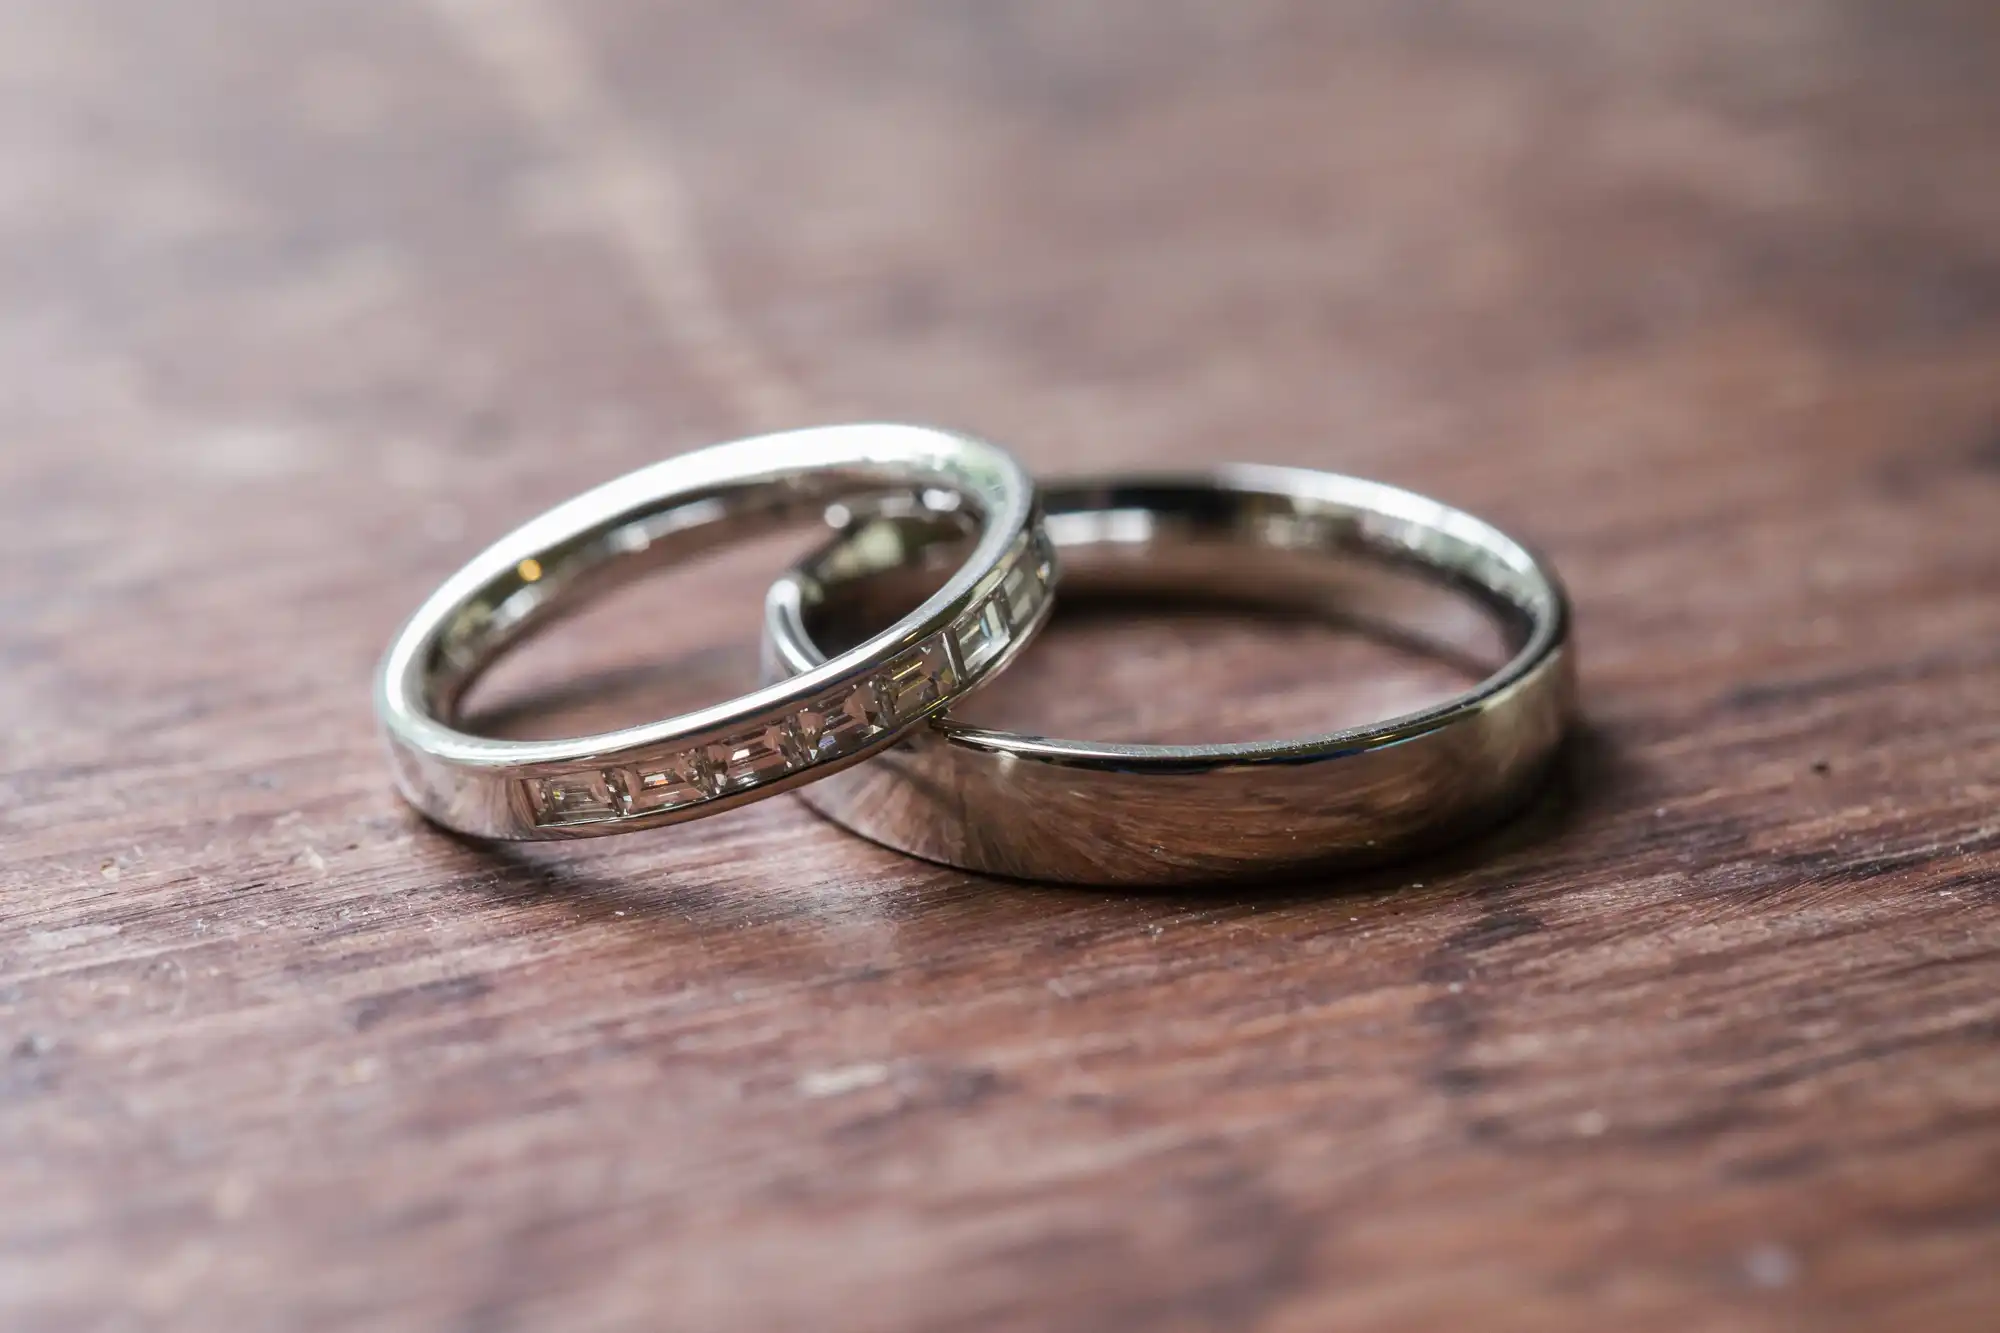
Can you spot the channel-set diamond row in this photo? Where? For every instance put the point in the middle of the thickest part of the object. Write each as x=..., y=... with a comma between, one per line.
x=830, y=727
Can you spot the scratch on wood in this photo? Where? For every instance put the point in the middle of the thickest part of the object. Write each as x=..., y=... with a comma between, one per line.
x=637, y=205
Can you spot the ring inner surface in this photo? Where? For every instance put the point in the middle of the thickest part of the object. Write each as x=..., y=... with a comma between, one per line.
x=573, y=572
x=1206, y=609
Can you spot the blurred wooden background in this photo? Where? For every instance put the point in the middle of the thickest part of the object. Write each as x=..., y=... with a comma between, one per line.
x=300, y=303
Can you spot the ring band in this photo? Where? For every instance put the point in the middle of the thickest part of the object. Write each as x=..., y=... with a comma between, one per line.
x=782, y=734
x=1083, y=812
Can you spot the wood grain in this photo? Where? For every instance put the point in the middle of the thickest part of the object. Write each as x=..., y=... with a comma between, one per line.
x=300, y=303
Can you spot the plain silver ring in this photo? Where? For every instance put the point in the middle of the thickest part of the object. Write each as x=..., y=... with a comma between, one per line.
x=1034, y=807
x=834, y=714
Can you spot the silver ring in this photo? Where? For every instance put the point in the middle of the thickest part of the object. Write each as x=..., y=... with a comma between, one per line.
x=834, y=714
x=1084, y=812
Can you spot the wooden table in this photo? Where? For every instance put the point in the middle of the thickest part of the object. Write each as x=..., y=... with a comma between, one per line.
x=300, y=303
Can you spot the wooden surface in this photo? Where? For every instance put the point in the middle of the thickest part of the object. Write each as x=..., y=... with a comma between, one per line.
x=300, y=303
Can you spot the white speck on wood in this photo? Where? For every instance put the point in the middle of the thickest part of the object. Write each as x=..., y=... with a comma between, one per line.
x=1770, y=1266
x=48, y=941
x=847, y=1078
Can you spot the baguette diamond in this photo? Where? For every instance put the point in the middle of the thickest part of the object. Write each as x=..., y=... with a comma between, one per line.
x=982, y=635
x=918, y=679
x=750, y=760
x=689, y=780
x=575, y=798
